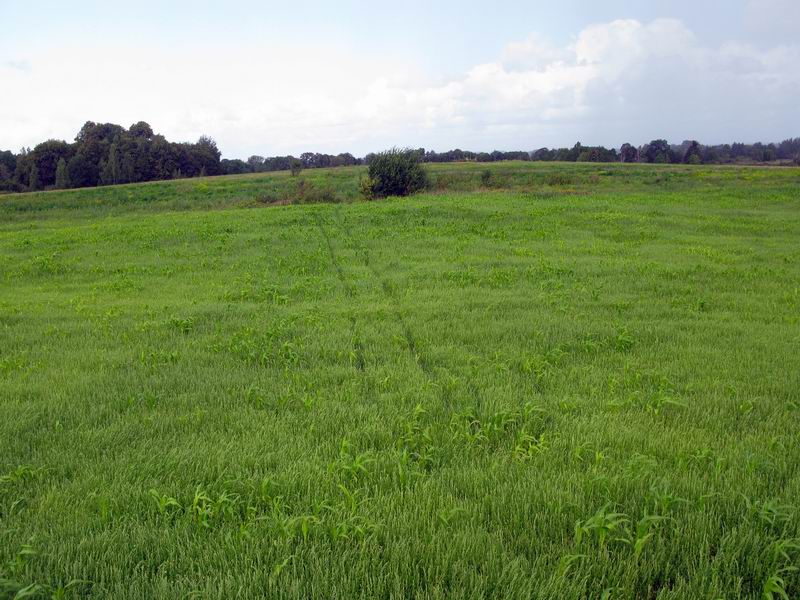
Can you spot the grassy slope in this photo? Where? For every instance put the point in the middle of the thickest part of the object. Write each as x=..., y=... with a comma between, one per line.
x=412, y=397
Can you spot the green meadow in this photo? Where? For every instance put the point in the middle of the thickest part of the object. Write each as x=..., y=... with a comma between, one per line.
x=536, y=380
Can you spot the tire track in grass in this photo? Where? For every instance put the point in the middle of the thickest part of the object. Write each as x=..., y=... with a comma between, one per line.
x=358, y=346
x=390, y=293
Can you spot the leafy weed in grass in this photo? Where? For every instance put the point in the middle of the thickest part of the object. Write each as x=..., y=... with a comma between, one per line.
x=565, y=384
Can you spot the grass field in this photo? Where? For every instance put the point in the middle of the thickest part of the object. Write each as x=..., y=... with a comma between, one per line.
x=552, y=381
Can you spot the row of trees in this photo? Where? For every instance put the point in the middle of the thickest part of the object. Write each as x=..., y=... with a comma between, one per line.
x=307, y=160
x=457, y=155
x=657, y=151
x=689, y=151
x=106, y=154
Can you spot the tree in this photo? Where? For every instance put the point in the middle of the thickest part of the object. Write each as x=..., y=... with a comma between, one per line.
x=141, y=130
x=233, y=166
x=8, y=160
x=82, y=171
x=207, y=155
x=597, y=154
x=628, y=153
x=34, y=183
x=46, y=156
x=693, y=154
x=256, y=163
x=110, y=173
x=575, y=152
x=62, y=175
x=657, y=151
x=296, y=166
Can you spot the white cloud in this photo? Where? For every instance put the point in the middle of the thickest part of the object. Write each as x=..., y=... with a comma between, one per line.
x=617, y=81
x=534, y=52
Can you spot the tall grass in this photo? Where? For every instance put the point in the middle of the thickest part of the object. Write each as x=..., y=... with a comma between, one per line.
x=568, y=382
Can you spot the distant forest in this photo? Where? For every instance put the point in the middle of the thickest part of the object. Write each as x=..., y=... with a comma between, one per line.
x=108, y=154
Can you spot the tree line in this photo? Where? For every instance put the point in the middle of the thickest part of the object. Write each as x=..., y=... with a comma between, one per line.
x=107, y=154
x=657, y=151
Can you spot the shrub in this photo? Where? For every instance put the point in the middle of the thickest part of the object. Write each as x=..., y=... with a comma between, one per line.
x=486, y=178
x=557, y=179
x=308, y=193
x=365, y=186
x=395, y=172
x=296, y=166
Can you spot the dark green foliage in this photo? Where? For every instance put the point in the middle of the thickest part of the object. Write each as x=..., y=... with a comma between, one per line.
x=8, y=160
x=107, y=154
x=62, y=175
x=207, y=155
x=46, y=156
x=628, y=153
x=396, y=172
x=8, y=166
x=34, y=180
x=143, y=155
x=657, y=151
x=234, y=166
x=110, y=170
x=459, y=155
x=693, y=154
x=82, y=171
x=141, y=130
x=598, y=154
x=544, y=154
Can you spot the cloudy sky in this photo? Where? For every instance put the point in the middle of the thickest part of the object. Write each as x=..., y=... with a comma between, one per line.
x=280, y=77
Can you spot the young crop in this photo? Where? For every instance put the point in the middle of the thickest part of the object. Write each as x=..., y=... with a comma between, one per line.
x=769, y=512
x=602, y=526
x=567, y=562
x=528, y=446
x=776, y=586
x=660, y=402
x=448, y=516
x=351, y=467
x=646, y=528
x=21, y=474
x=662, y=500
x=278, y=568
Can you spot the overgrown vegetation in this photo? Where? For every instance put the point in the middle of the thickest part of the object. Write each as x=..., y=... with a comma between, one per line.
x=558, y=381
x=108, y=154
x=394, y=172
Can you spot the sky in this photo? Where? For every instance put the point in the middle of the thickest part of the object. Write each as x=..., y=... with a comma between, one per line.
x=275, y=78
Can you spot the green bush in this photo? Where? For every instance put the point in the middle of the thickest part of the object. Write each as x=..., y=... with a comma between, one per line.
x=309, y=193
x=365, y=186
x=557, y=179
x=395, y=172
x=296, y=166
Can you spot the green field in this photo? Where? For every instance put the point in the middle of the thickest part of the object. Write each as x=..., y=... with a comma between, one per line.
x=552, y=381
